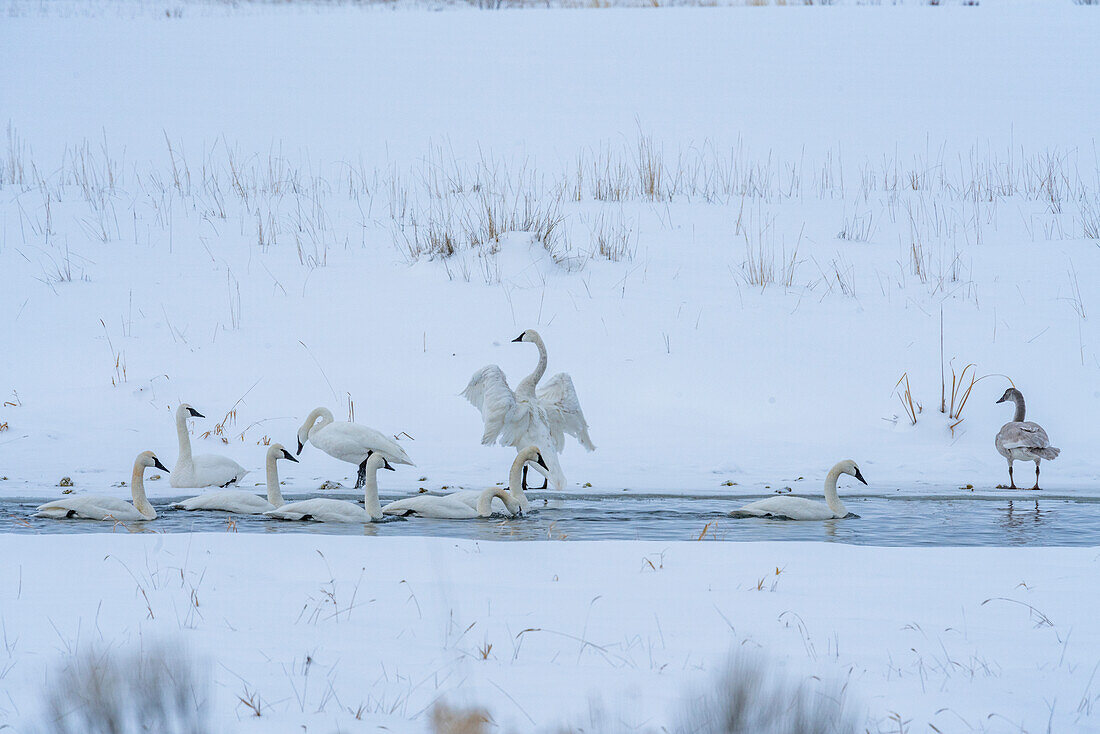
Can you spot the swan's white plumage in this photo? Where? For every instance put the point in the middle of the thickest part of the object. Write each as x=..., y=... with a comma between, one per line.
x=563, y=408
x=238, y=500
x=204, y=470
x=349, y=442
x=97, y=507
x=513, y=502
x=324, y=509
x=530, y=415
x=800, y=508
x=450, y=507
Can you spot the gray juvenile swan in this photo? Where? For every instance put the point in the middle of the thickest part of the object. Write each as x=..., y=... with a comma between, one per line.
x=800, y=508
x=532, y=415
x=1021, y=440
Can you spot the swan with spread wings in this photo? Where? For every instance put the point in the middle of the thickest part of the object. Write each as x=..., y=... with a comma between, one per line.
x=531, y=415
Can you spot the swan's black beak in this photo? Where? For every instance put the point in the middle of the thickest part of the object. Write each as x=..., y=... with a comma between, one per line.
x=860, y=477
x=542, y=463
x=1001, y=400
x=287, y=455
x=519, y=338
x=195, y=414
x=300, y=447
x=157, y=464
x=386, y=465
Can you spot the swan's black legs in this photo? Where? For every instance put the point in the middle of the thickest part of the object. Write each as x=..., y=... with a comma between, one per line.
x=362, y=478
x=545, y=483
x=525, y=477
x=1036, y=475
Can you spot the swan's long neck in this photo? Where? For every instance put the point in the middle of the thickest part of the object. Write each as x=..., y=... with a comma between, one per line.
x=184, y=438
x=515, y=484
x=1021, y=409
x=485, y=501
x=274, y=496
x=526, y=387
x=324, y=414
x=370, y=494
x=137, y=491
x=831, y=497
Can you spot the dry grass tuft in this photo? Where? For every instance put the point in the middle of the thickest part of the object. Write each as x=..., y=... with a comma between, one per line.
x=912, y=408
x=448, y=719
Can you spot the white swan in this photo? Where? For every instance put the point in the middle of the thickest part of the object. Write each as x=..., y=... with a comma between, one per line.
x=447, y=507
x=97, y=507
x=530, y=415
x=1020, y=440
x=349, y=442
x=324, y=509
x=469, y=503
x=800, y=508
x=205, y=470
x=241, y=501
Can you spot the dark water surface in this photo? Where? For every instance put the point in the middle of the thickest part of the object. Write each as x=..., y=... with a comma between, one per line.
x=1027, y=520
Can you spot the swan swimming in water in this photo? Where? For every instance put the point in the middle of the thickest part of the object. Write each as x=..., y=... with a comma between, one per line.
x=349, y=442
x=447, y=507
x=97, y=507
x=531, y=415
x=325, y=509
x=238, y=500
x=800, y=508
x=1020, y=440
x=470, y=503
x=205, y=470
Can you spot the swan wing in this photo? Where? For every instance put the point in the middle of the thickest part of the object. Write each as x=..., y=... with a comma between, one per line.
x=321, y=509
x=431, y=505
x=213, y=470
x=351, y=442
x=231, y=500
x=1023, y=435
x=89, y=507
x=488, y=391
x=559, y=399
x=787, y=508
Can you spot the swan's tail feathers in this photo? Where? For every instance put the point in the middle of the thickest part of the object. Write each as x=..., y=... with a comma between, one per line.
x=556, y=475
x=54, y=513
x=1048, y=452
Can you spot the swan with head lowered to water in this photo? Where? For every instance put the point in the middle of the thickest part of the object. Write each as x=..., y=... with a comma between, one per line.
x=325, y=509
x=532, y=415
x=97, y=507
x=204, y=470
x=349, y=442
x=1020, y=440
x=471, y=503
x=240, y=501
x=800, y=508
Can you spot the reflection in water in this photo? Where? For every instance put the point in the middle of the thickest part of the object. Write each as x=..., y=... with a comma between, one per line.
x=892, y=521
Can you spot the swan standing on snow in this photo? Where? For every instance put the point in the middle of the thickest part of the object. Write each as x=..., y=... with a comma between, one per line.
x=470, y=503
x=97, y=507
x=531, y=415
x=240, y=501
x=1021, y=440
x=349, y=442
x=205, y=470
x=800, y=508
x=324, y=509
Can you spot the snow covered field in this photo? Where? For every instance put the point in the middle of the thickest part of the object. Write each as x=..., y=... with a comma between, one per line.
x=736, y=228
x=600, y=637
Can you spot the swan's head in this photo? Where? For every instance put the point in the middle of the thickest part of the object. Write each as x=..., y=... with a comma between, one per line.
x=277, y=451
x=849, y=467
x=532, y=454
x=189, y=411
x=375, y=460
x=148, y=458
x=1010, y=394
x=303, y=432
x=528, y=336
